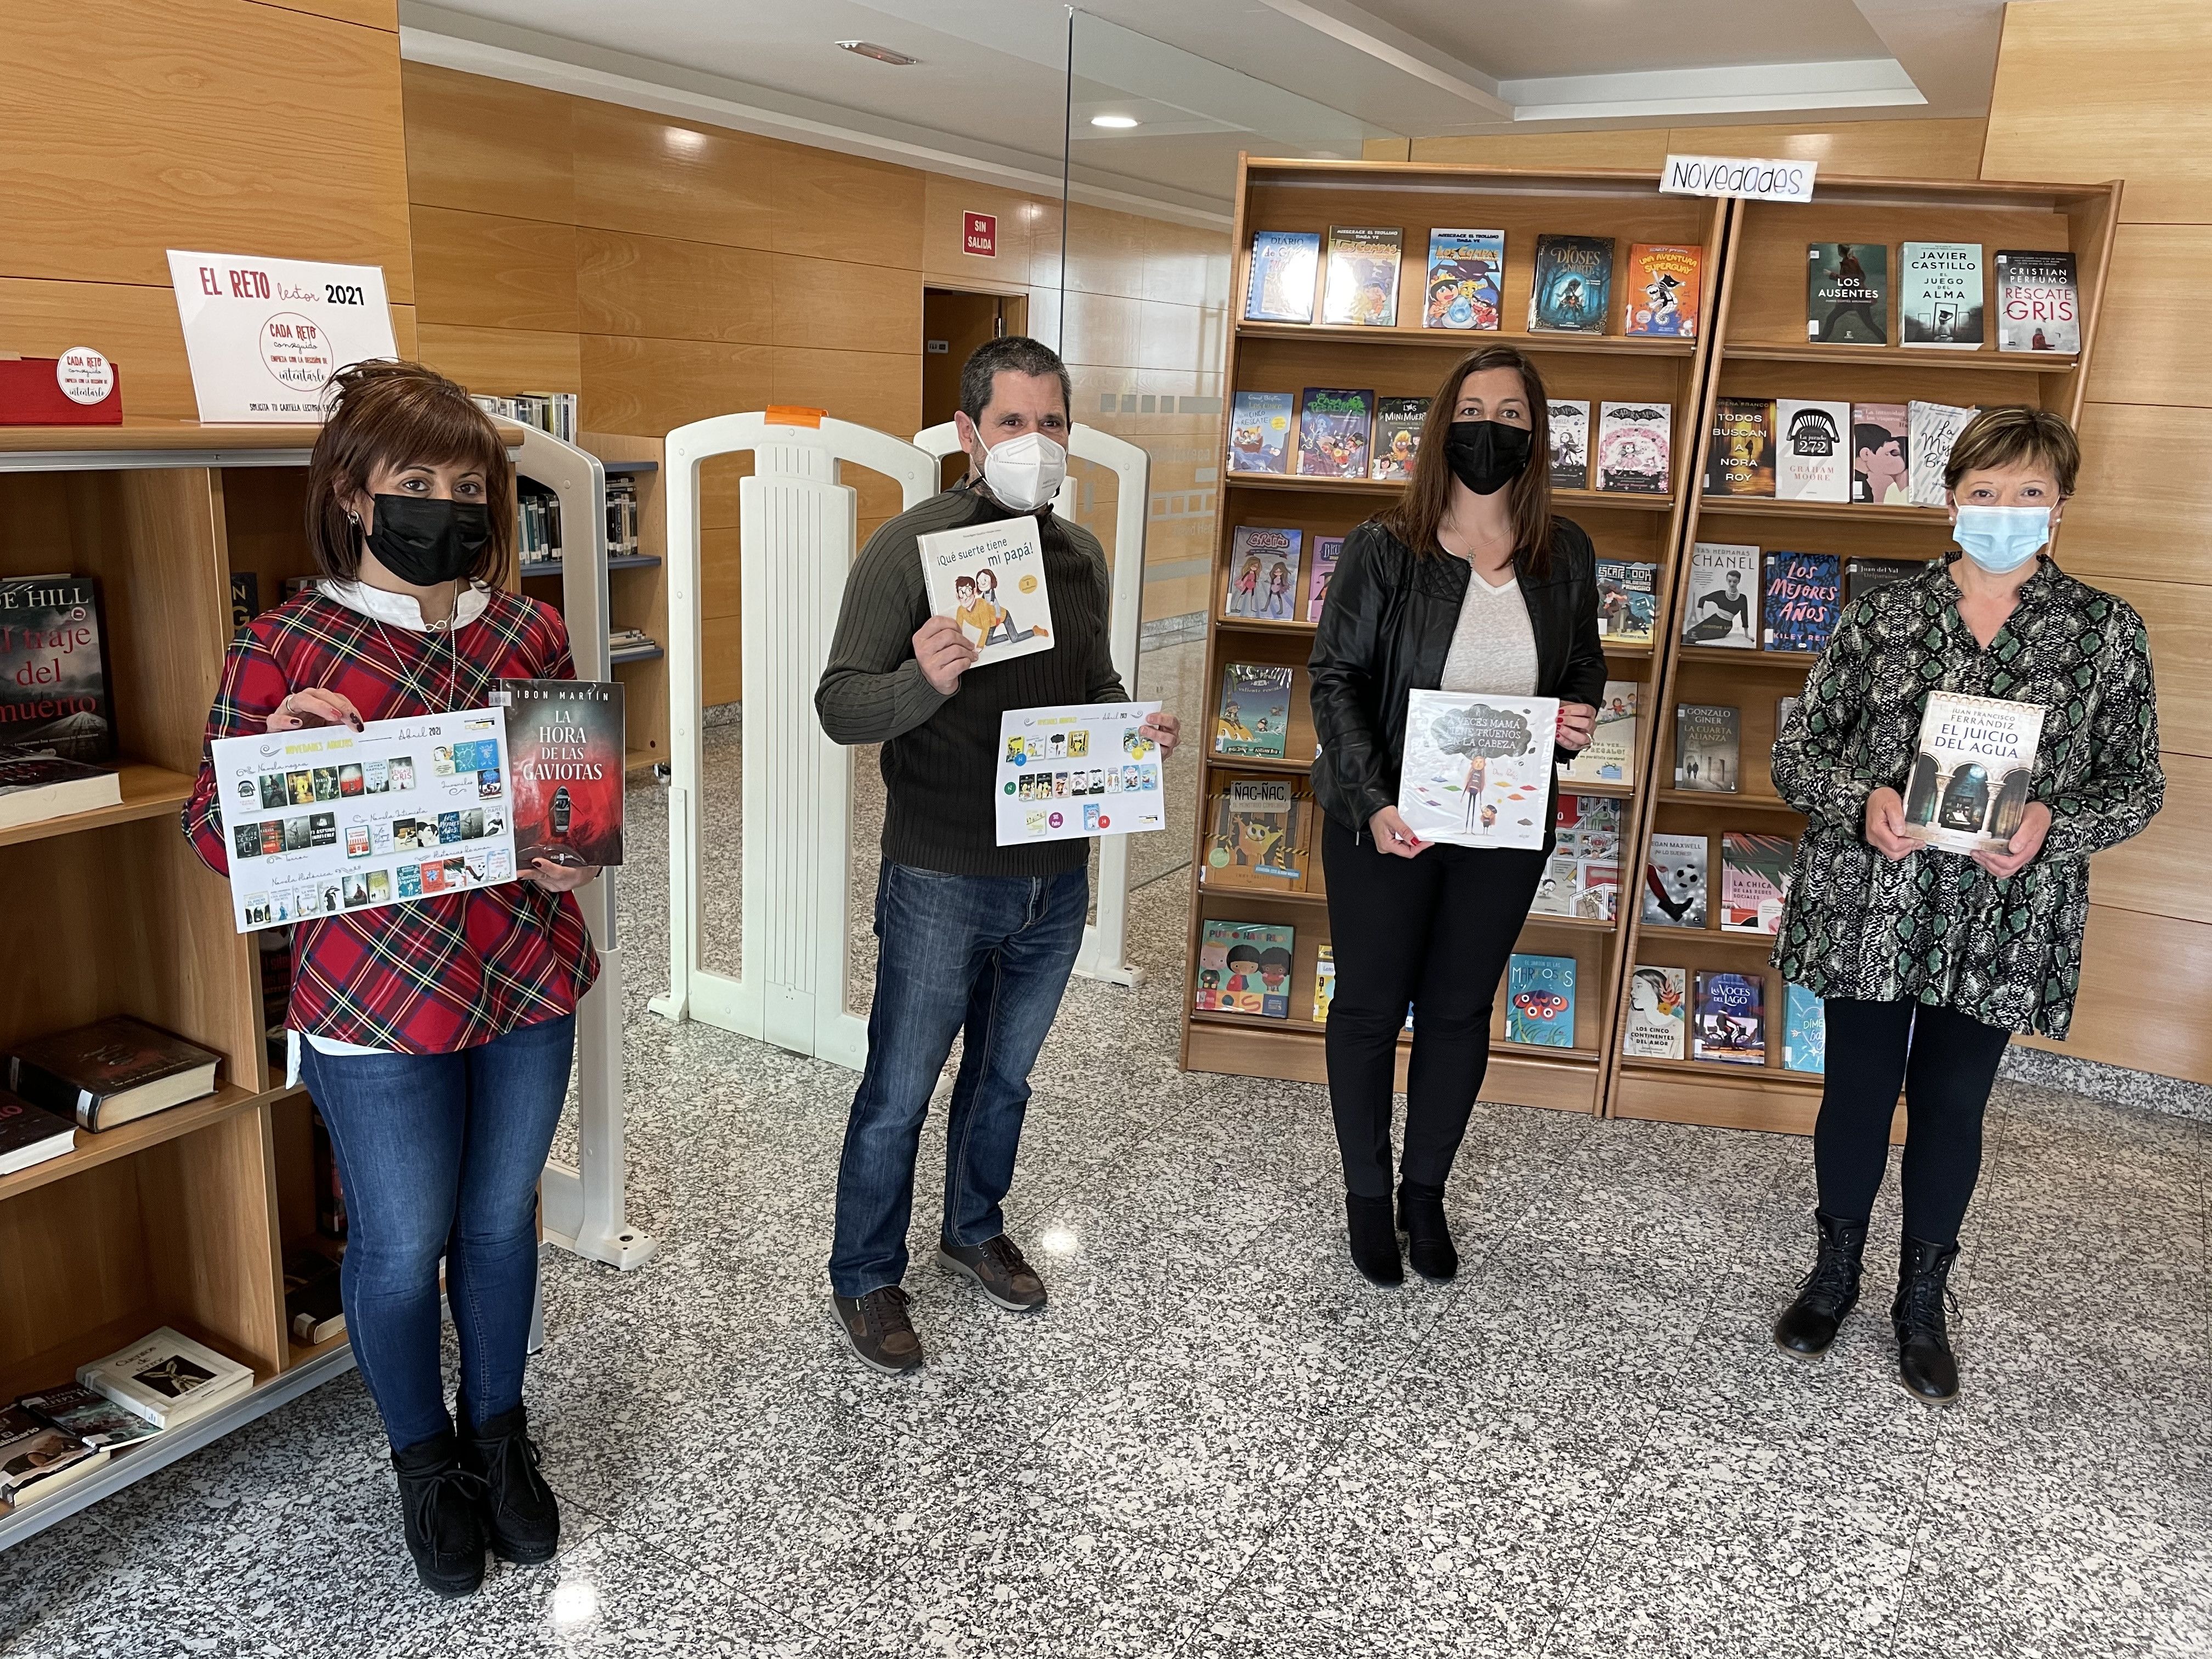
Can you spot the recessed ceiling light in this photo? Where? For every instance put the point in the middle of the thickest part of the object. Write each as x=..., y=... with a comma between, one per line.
x=881, y=54
x=1113, y=120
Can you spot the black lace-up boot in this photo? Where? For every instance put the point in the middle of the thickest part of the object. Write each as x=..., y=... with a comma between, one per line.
x=1807, y=1326
x=1925, y=1366
x=1428, y=1236
x=1374, y=1239
x=438, y=1501
x=521, y=1516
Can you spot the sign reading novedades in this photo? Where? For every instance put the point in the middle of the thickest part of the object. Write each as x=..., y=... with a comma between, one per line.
x=1748, y=177
x=265, y=336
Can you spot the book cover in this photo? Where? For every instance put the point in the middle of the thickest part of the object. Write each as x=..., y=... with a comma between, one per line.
x=36, y=1457
x=1707, y=739
x=1675, y=882
x=166, y=1377
x=1881, y=470
x=1811, y=463
x=31, y=1134
x=564, y=758
x=1260, y=432
x=1847, y=294
x=1968, y=789
x=89, y=1073
x=1939, y=296
x=1863, y=576
x=1255, y=715
x=1804, y=597
x=312, y=1307
x=1324, y=984
x=1731, y=1019
x=1588, y=826
x=1573, y=289
x=93, y=1418
x=1784, y=709
x=1570, y=443
x=1611, y=756
x=1397, y=437
x=1466, y=286
x=54, y=691
x=1658, y=1013
x=1263, y=574
x=1539, y=1000
x=245, y=599
x=37, y=784
x=1244, y=968
x=1741, y=461
x=1280, y=286
x=1255, y=836
x=1804, y=1031
x=2039, y=306
x=1661, y=290
x=1755, y=876
x=1584, y=874
x=989, y=578
x=1325, y=550
x=1362, y=287
x=1635, y=447
x=1931, y=430
x=1477, y=769
x=1627, y=601
x=1334, y=426
x=1555, y=888
x=1723, y=583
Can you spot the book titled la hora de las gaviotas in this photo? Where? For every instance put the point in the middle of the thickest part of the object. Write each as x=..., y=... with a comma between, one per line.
x=989, y=578
x=1968, y=789
x=564, y=757
x=1477, y=770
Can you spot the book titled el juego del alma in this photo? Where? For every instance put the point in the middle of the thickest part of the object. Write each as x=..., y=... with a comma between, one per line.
x=564, y=753
x=1970, y=783
x=1939, y=303
x=1477, y=770
x=54, y=693
x=1573, y=289
x=1731, y=1025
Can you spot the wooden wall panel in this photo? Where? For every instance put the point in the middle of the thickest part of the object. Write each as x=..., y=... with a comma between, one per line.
x=838, y=305
x=1870, y=149
x=873, y=388
x=1640, y=146
x=647, y=386
x=2140, y=874
x=661, y=287
x=487, y=271
x=2148, y=349
x=135, y=325
x=488, y=146
x=370, y=13
x=828, y=206
x=2179, y=617
x=645, y=172
x=2146, y=983
x=2144, y=509
x=502, y=361
x=1027, y=227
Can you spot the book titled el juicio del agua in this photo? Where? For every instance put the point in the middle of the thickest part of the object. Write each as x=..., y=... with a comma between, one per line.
x=564, y=757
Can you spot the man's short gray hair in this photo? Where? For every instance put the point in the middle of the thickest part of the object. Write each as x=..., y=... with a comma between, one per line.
x=1020, y=354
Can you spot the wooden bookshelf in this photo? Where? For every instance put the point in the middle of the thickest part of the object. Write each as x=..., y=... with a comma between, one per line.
x=637, y=596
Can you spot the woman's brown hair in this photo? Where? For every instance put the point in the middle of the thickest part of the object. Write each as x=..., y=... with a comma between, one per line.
x=1414, y=519
x=403, y=414
x=2010, y=434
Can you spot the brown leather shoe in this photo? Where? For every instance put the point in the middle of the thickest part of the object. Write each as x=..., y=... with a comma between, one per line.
x=998, y=1272
x=877, y=1327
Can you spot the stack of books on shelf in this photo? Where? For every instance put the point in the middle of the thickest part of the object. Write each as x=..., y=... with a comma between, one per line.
x=536, y=526
x=1730, y=1027
x=1582, y=879
x=102, y=1076
x=313, y=1309
x=1780, y=601
x=622, y=516
x=627, y=642
x=58, y=747
x=549, y=411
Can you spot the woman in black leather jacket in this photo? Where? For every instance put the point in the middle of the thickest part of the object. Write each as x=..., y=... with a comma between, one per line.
x=1469, y=584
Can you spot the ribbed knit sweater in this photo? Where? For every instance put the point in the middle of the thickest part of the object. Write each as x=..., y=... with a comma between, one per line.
x=940, y=753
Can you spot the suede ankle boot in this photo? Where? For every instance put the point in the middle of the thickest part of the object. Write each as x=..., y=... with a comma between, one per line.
x=438, y=1499
x=1926, y=1367
x=1428, y=1237
x=521, y=1515
x=1374, y=1240
x=1807, y=1326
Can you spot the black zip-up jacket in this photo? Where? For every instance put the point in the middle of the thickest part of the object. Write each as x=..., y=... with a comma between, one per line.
x=1386, y=631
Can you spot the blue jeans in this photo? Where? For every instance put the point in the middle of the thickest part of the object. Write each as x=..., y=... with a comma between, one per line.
x=987, y=955
x=439, y=1155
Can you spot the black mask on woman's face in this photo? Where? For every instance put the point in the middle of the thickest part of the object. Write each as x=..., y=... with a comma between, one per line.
x=424, y=540
x=1486, y=455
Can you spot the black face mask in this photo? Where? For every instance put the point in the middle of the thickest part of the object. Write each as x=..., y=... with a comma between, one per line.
x=1486, y=455
x=424, y=541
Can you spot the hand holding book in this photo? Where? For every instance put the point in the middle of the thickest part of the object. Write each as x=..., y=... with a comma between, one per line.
x=1578, y=725
x=2026, y=841
x=943, y=654
x=315, y=707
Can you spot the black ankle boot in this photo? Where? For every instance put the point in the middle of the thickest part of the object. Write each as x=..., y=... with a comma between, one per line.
x=1807, y=1326
x=1428, y=1238
x=1925, y=1363
x=438, y=1501
x=520, y=1515
x=1374, y=1240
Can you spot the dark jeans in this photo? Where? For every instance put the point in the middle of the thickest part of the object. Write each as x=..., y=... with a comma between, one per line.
x=439, y=1155
x=1434, y=931
x=984, y=956
x=1945, y=1063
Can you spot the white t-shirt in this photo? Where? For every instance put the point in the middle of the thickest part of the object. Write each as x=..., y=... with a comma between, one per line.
x=1493, y=646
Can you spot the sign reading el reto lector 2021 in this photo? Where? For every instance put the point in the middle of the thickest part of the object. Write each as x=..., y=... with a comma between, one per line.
x=1748, y=177
x=263, y=335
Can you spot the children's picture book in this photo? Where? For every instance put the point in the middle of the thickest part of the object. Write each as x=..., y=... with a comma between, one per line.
x=1707, y=741
x=1635, y=447
x=1581, y=878
x=1939, y=298
x=1325, y=550
x=1723, y=587
x=1847, y=294
x=1477, y=770
x=1570, y=443
x=1863, y=576
x=1397, y=437
x=1263, y=574
x=1255, y=715
x=1539, y=1000
x=1968, y=789
x=1731, y=1018
x=1078, y=770
x=1611, y=756
x=1324, y=984
x=989, y=578
x=1260, y=432
x=1804, y=1031
x=1882, y=469
x=1254, y=842
x=1675, y=882
x=1244, y=968
x=1660, y=292
x=1467, y=279
x=1804, y=597
x=564, y=757
x=1627, y=601
x=1362, y=286
x=1285, y=264
x=1755, y=876
x=1812, y=462
x=1931, y=430
x=1334, y=429
x=54, y=693
x=1658, y=1013
x=1573, y=289
x=1740, y=459
x=2038, y=308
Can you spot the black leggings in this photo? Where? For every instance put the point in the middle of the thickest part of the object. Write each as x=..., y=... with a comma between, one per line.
x=1434, y=931
x=1945, y=1063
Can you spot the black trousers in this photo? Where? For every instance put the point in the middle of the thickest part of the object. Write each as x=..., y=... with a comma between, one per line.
x=1945, y=1063
x=1434, y=931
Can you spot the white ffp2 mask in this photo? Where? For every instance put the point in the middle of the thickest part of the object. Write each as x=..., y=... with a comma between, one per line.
x=1025, y=473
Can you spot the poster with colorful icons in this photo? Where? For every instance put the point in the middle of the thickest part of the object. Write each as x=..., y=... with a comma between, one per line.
x=1076, y=771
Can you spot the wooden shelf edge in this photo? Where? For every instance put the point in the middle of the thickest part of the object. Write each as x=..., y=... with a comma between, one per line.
x=1631, y=500
x=95, y=1149
x=2041, y=362
x=1470, y=340
x=1774, y=506
x=148, y=791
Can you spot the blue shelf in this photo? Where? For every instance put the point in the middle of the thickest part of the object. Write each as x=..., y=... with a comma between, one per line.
x=629, y=467
x=637, y=654
x=538, y=567
x=633, y=561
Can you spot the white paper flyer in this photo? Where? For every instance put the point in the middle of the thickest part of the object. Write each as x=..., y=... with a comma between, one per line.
x=1078, y=771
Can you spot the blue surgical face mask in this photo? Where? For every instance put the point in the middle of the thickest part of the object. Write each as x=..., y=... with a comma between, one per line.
x=2002, y=539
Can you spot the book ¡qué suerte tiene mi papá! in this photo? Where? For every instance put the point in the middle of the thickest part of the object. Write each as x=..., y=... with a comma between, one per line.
x=989, y=578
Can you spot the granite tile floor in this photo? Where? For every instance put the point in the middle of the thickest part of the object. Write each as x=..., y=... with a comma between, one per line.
x=1219, y=1440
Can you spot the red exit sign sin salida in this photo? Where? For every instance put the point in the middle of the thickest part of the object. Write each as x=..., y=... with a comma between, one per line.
x=980, y=235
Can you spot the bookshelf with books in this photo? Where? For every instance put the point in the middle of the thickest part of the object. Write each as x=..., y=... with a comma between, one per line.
x=637, y=587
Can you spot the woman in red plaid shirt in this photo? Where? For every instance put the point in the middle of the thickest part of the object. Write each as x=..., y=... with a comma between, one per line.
x=437, y=1033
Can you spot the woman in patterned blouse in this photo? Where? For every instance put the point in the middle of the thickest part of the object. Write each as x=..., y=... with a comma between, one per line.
x=1928, y=961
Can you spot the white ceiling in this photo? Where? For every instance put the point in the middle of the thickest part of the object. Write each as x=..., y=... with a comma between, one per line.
x=1208, y=78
